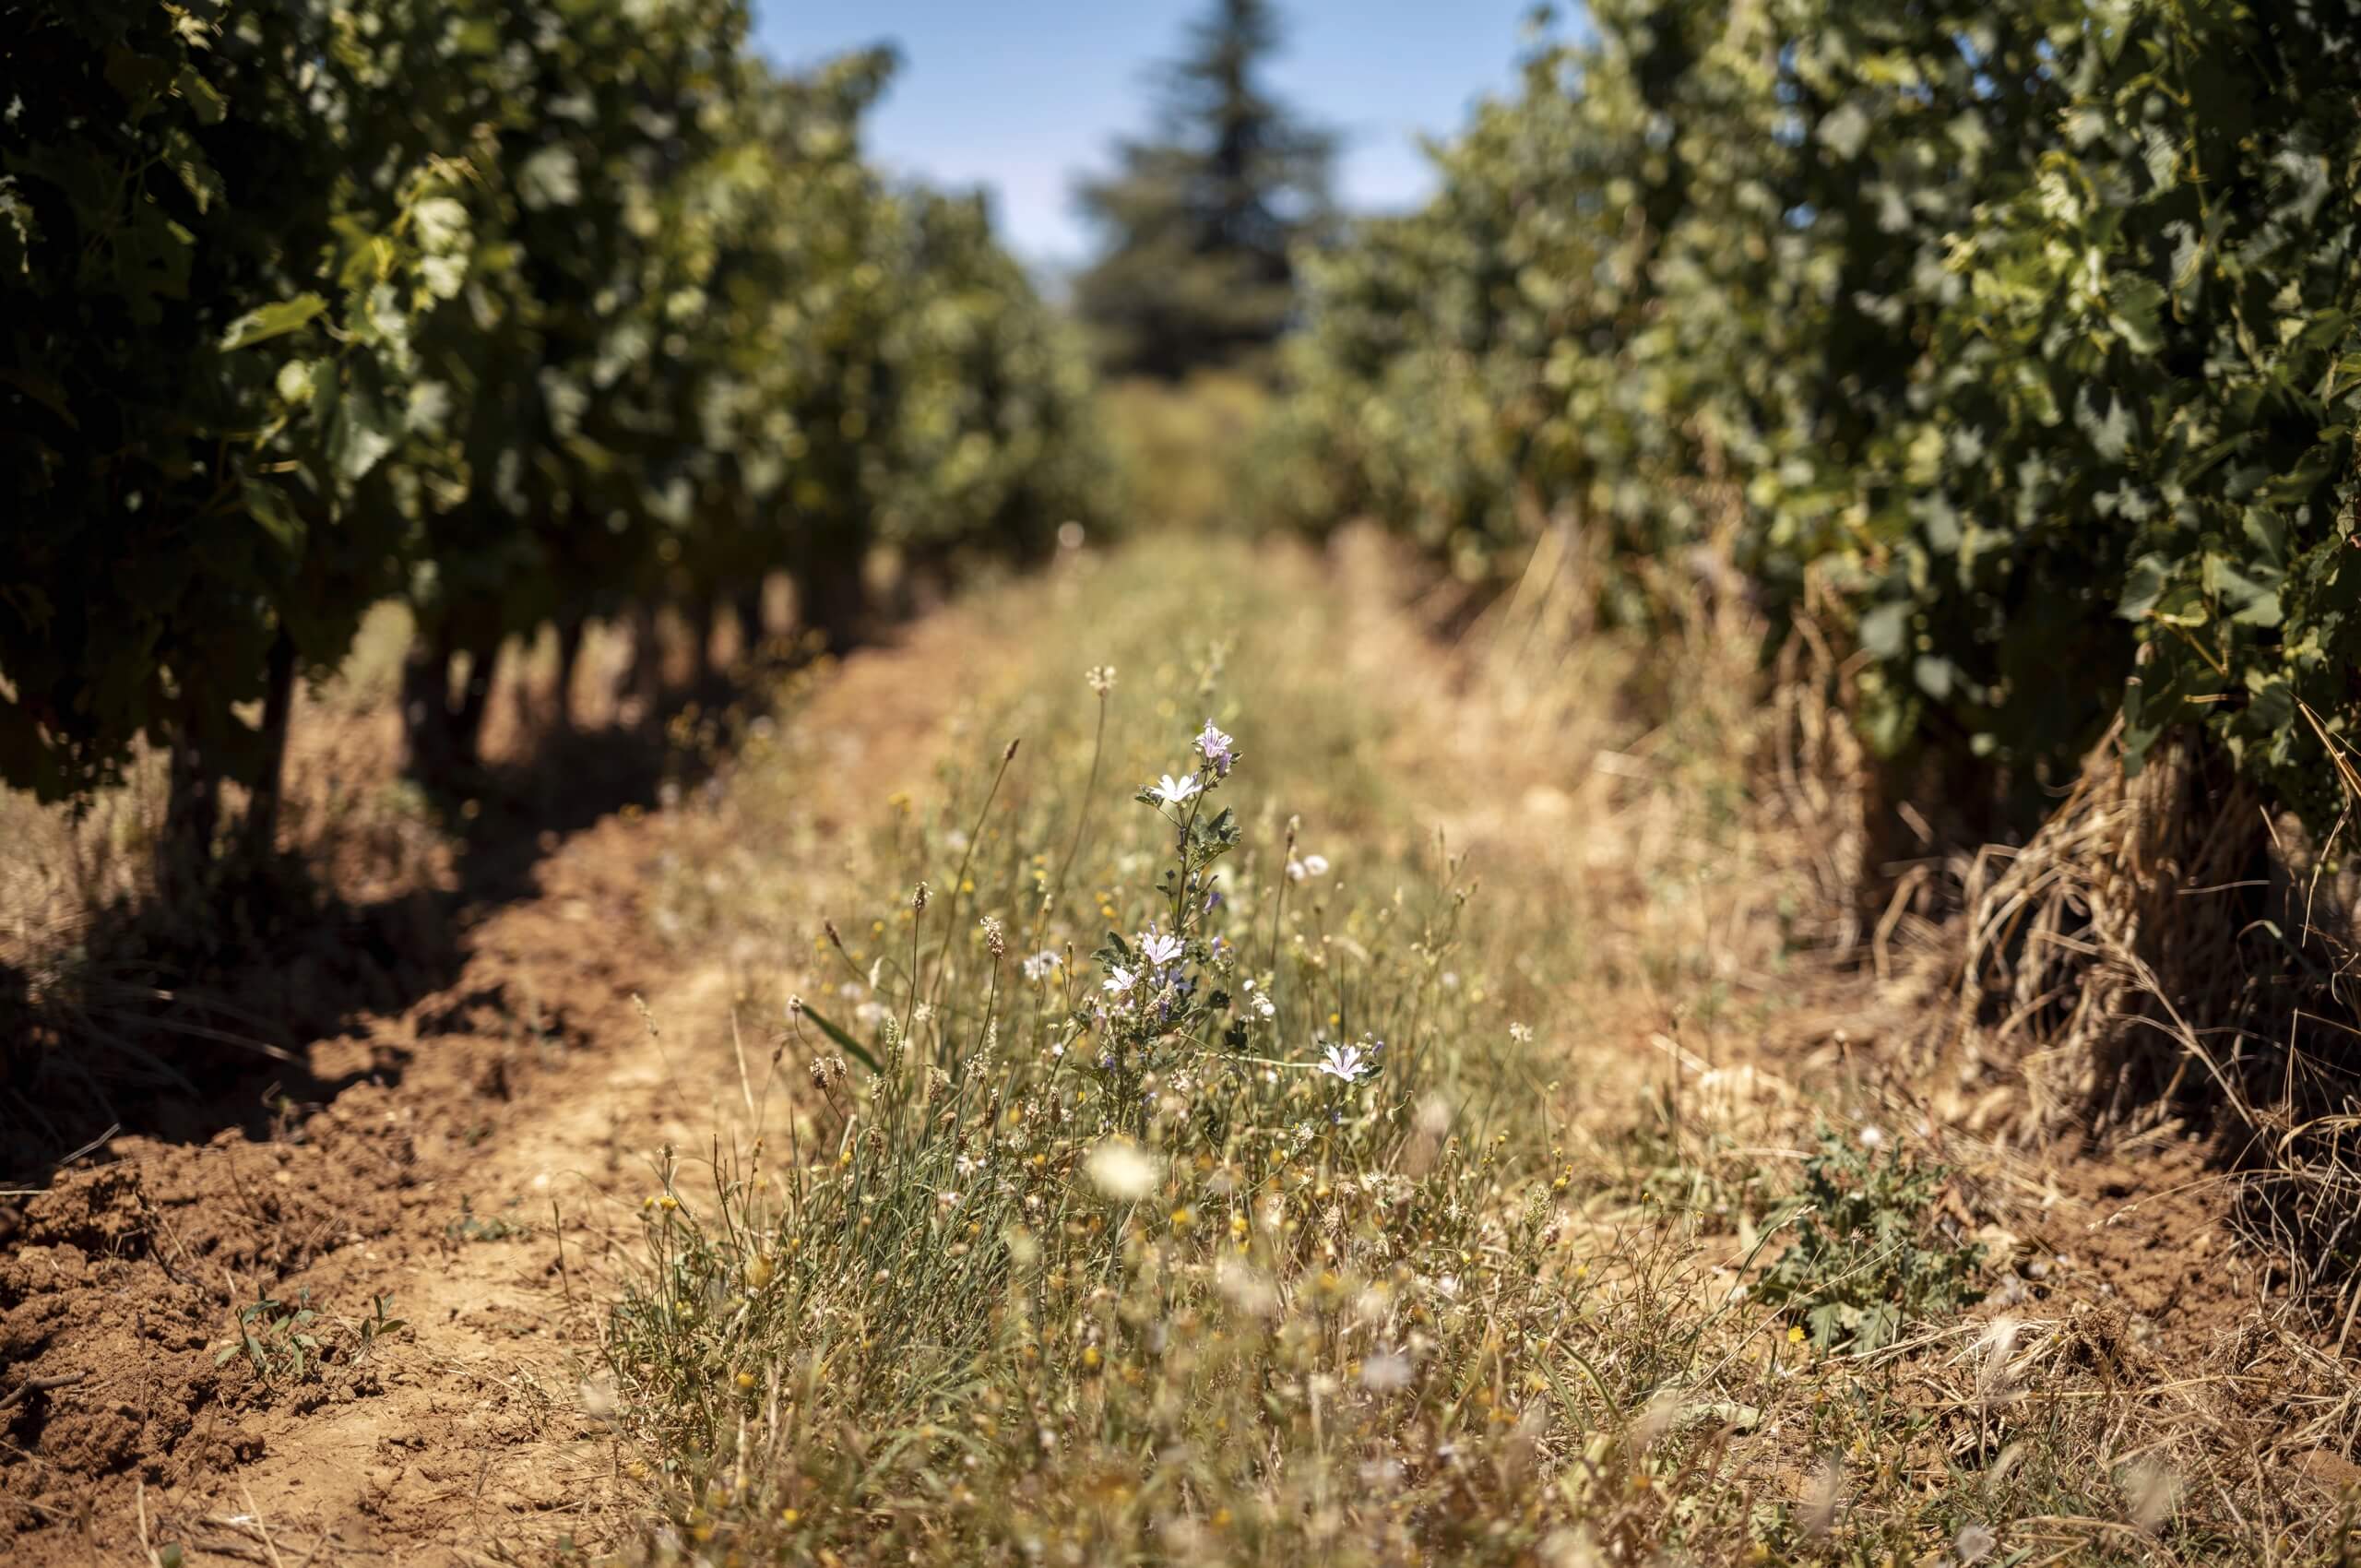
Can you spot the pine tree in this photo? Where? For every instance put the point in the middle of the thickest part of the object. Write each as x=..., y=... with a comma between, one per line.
x=1199, y=220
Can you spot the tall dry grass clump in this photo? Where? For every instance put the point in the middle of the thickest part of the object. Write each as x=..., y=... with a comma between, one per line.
x=2168, y=953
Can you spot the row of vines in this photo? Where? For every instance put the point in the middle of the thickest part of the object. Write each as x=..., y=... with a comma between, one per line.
x=526, y=312
x=2026, y=329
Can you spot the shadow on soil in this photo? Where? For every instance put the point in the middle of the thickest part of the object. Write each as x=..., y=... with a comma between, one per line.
x=179, y=1025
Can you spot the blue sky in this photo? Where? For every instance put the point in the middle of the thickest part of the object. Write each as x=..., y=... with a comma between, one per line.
x=1021, y=95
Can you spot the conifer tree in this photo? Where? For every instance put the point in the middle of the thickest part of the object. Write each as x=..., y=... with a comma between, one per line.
x=1198, y=221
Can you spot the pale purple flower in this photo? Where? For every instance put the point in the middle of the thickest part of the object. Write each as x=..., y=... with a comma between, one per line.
x=1349, y=1063
x=1175, y=791
x=1216, y=748
x=1119, y=980
x=1158, y=948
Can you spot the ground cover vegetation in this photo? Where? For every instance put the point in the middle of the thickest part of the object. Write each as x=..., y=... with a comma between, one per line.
x=1176, y=1144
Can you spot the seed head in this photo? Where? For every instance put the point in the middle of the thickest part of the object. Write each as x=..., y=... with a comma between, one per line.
x=919, y=898
x=995, y=937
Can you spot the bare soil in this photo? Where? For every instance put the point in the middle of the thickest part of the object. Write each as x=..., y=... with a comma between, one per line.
x=477, y=1167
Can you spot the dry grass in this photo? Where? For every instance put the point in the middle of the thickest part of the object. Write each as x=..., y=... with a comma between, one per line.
x=915, y=1327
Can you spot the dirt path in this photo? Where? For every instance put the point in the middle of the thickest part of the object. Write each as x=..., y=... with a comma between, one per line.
x=482, y=1187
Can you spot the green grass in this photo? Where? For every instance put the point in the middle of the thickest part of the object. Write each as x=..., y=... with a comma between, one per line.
x=981, y=1277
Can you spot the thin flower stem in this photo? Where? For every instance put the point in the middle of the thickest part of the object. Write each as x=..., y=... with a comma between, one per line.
x=975, y=837
x=1089, y=795
x=910, y=997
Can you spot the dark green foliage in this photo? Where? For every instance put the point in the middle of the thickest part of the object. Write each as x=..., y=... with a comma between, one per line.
x=1200, y=221
x=1870, y=1255
x=524, y=312
x=2027, y=329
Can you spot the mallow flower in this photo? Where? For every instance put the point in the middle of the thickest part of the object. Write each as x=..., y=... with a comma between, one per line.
x=1216, y=748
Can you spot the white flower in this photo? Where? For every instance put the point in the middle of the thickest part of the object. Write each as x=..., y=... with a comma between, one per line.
x=1347, y=1061
x=1042, y=964
x=1873, y=1138
x=1122, y=1170
x=1307, y=868
x=1159, y=949
x=1262, y=1005
x=1175, y=791
x=1385, y=1372
x=1119, y=980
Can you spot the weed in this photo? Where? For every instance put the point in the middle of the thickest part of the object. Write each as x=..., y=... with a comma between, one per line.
x=376, y=1328
x=1870, y=1255
x=275, y=1339
x=472, y=1227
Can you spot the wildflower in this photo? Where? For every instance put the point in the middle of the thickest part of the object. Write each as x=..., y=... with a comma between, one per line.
x=1101, y=678
x=995, y=937
x=1349, y=1062
x=1307, y=868
x=1159, y=949
x=1040, y=965
x=1216, y=749
x=1384, y=1372
x=919, y=896
x=1873, y=1138
x=1175, y=792
x=1119, y=980
x=1122, y=1170
x=1521, y=1034
x=1264, y=1004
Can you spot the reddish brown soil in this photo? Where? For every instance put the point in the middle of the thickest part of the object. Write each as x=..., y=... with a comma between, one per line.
x=478, y=1174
